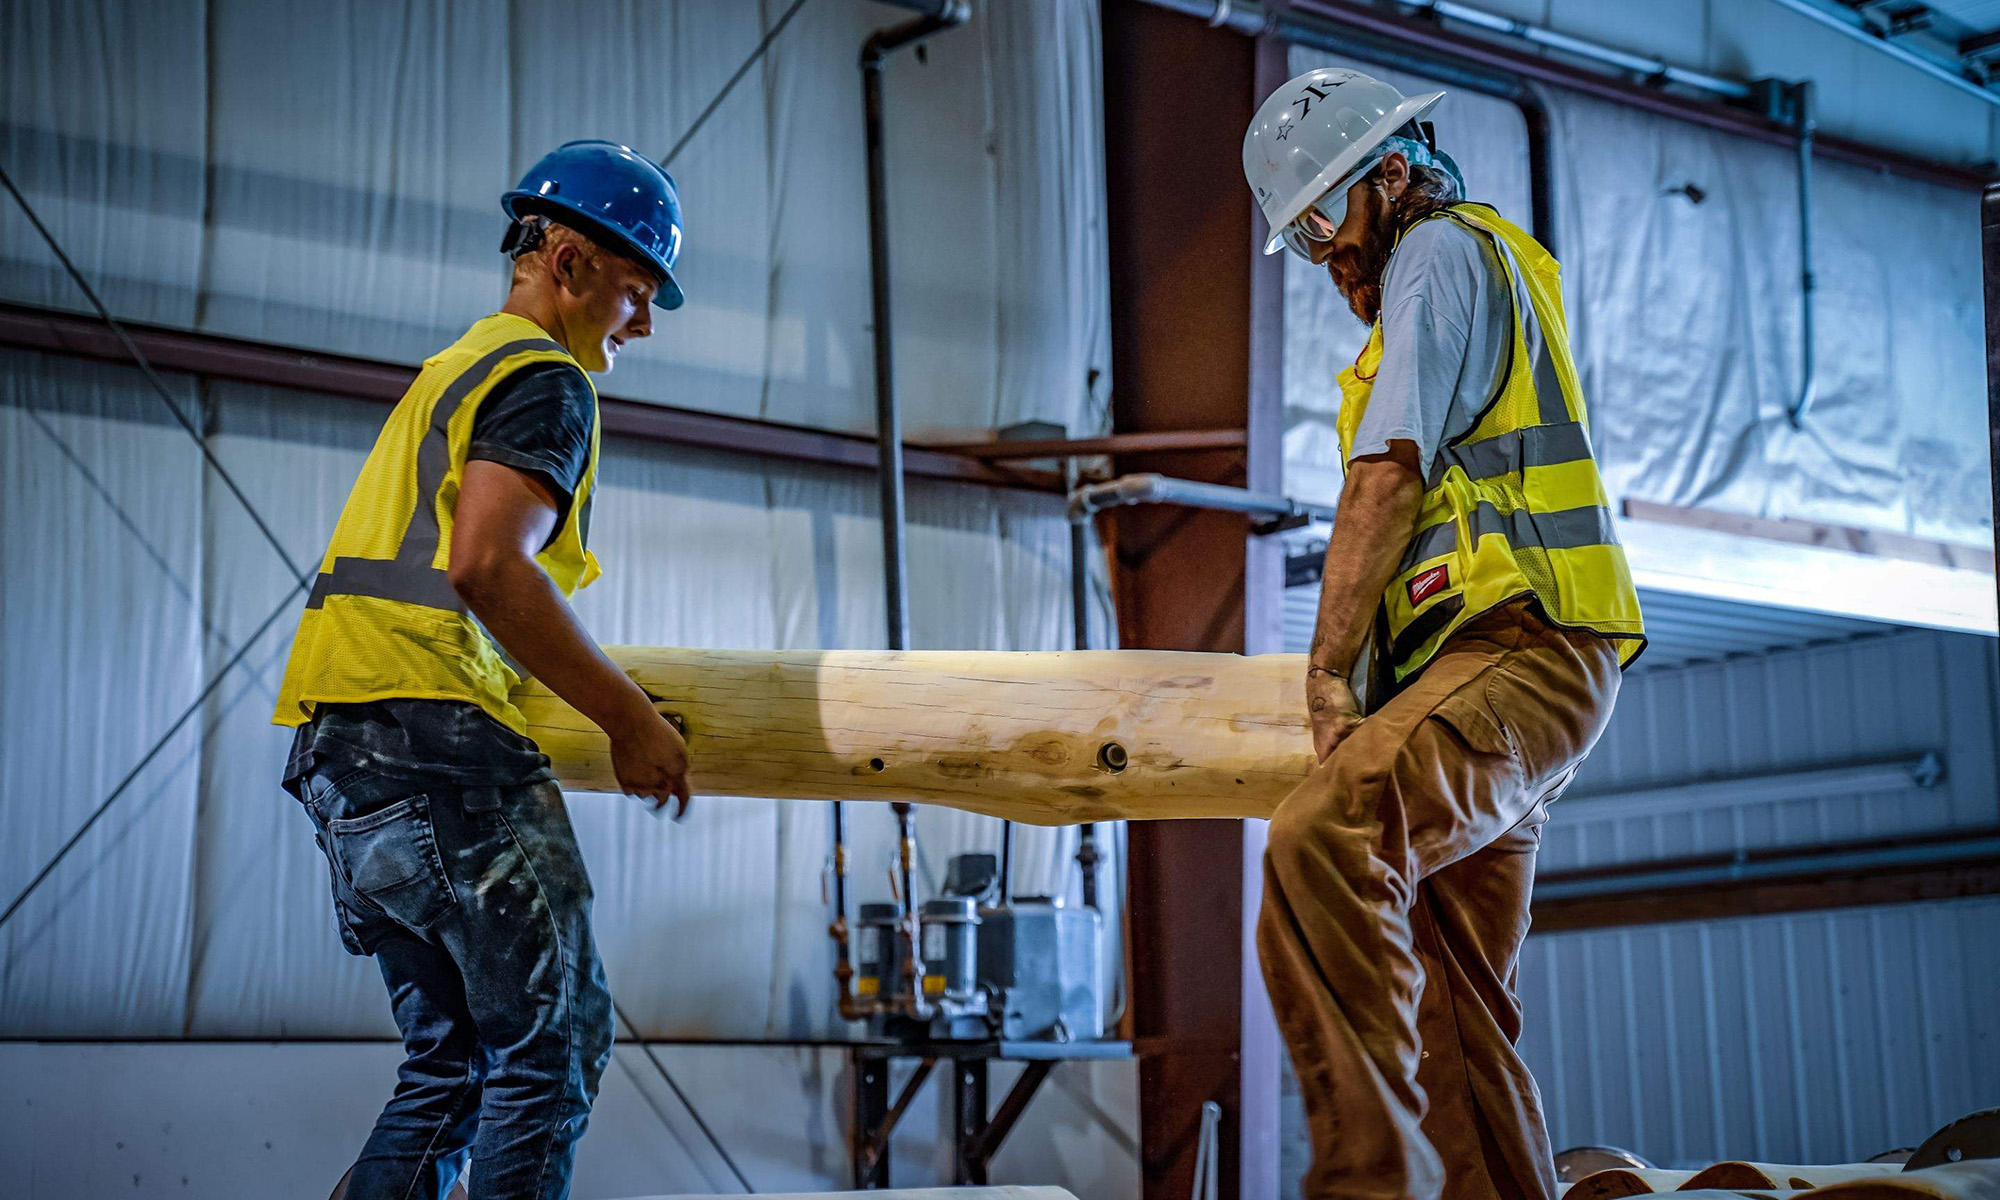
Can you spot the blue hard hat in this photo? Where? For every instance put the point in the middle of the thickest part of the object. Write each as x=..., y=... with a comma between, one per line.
x=616, y=195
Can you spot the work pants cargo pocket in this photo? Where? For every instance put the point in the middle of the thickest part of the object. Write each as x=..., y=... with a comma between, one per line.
x=390, y=859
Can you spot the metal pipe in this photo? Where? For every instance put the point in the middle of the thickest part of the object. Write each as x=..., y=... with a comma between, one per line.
x=1989, y=253
x=1770, y=787
x=945, y=14
x=1853, y=26
x=1086, y=861
x=1653, y=70
x=1805, y=101
x=888, y=414
x=1164, y=489
x=850, y=1008
x=1428, y=41
x=1006, y=863
x=1640, y=878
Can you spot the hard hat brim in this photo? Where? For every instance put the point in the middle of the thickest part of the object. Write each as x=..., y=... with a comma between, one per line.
x=520, y=204
x=1340, y=172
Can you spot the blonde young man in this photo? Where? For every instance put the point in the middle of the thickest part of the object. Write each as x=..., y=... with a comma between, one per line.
x=1473, y=555
x=450, y=852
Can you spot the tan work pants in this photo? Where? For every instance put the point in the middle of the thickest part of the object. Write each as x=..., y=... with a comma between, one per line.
x=1395, y=903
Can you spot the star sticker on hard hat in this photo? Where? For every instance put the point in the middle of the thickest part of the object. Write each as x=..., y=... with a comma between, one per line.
x=1283, y=129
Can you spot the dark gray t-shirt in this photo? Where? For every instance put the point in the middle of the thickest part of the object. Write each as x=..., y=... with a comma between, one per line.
x=538, y=419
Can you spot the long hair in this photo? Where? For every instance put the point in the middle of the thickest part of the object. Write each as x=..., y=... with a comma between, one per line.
x=1429, y=191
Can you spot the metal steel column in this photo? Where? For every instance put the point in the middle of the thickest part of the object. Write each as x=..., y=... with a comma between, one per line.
x=969, y=1113
x=1186, y=289
x=1989, y=244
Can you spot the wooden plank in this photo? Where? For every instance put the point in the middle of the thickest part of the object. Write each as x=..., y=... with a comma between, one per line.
x=1048, y=738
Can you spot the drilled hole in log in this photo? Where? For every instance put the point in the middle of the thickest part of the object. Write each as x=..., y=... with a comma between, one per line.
x=1111, y=756
x=875, y=764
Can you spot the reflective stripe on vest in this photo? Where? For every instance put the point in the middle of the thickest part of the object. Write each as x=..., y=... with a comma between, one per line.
x=410, y=577
x=1523, y=530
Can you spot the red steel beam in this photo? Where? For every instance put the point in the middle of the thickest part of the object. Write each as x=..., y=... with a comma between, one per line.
x=1187, y=296
x=1177, y=441
x=1764, y=897
x=219, y=357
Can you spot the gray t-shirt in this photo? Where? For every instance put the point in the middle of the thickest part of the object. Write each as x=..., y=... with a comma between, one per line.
x=1446, y=321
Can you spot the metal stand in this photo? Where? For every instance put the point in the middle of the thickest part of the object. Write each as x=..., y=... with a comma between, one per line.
x=976, y=1133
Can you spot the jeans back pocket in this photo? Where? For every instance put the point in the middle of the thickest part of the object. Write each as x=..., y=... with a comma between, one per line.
x=390, y=859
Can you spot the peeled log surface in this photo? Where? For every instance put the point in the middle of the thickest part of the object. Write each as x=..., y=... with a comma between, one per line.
x=1048, y=738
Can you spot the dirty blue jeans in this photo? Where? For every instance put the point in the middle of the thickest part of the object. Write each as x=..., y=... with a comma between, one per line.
x=475, y=904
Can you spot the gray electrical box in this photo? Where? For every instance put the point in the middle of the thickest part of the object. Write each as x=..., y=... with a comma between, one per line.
x=1039, y=959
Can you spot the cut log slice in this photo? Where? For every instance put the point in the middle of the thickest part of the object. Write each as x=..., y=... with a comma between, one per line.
x=1049, y=738
x=1619, y=1182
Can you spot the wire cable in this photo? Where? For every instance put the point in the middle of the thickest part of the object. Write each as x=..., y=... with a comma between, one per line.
x=686, y=1103
x=153, y=377
x=762, y=45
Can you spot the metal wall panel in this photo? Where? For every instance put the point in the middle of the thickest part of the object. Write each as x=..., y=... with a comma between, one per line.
x=1814, y=1037
x=1876, y=697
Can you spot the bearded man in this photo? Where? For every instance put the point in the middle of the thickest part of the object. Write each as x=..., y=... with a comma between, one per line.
x=1473, y=556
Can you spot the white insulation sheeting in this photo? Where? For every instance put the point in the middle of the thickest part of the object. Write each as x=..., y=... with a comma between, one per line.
x=327, y=176
x=1685, y=320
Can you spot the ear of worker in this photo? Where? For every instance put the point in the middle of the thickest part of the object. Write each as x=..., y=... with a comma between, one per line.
x=1047, y=738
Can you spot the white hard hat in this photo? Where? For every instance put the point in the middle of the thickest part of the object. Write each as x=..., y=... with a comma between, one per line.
x=1316, y=134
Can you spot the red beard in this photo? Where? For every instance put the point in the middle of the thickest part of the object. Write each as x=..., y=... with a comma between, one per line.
x=1357, y=270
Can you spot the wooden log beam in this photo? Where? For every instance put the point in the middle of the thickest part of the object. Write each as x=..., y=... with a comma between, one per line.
x=1050, y=738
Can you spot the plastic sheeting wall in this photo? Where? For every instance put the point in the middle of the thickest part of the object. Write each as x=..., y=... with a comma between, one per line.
x=1685, y=322
x=328, y=176
x=198, y=906
x=1810, y=1037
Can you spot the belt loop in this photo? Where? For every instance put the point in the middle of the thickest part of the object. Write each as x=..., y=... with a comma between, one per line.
x=480, y=799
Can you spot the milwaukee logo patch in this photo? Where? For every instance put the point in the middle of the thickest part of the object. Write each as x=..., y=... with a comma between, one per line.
x=1428, y=584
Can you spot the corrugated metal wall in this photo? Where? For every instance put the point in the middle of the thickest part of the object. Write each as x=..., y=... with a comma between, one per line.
x=1814, y=1037
x=1872, y=698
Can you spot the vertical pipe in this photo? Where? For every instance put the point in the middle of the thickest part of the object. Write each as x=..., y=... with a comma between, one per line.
x=1806, y=102
x=888, y=416
x=843, y=960
x=1079, y=615
x=1541, y=166
x=1989, y=246
x=889, y=424
x=1006, y=863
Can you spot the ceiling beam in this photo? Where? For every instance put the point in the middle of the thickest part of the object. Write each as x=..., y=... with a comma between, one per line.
x=217, y=357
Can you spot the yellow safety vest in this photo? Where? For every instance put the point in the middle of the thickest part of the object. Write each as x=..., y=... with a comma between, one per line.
x=383, y=621
x=1515, y=505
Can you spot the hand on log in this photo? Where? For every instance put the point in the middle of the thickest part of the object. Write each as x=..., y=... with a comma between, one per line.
x=1047, y=738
